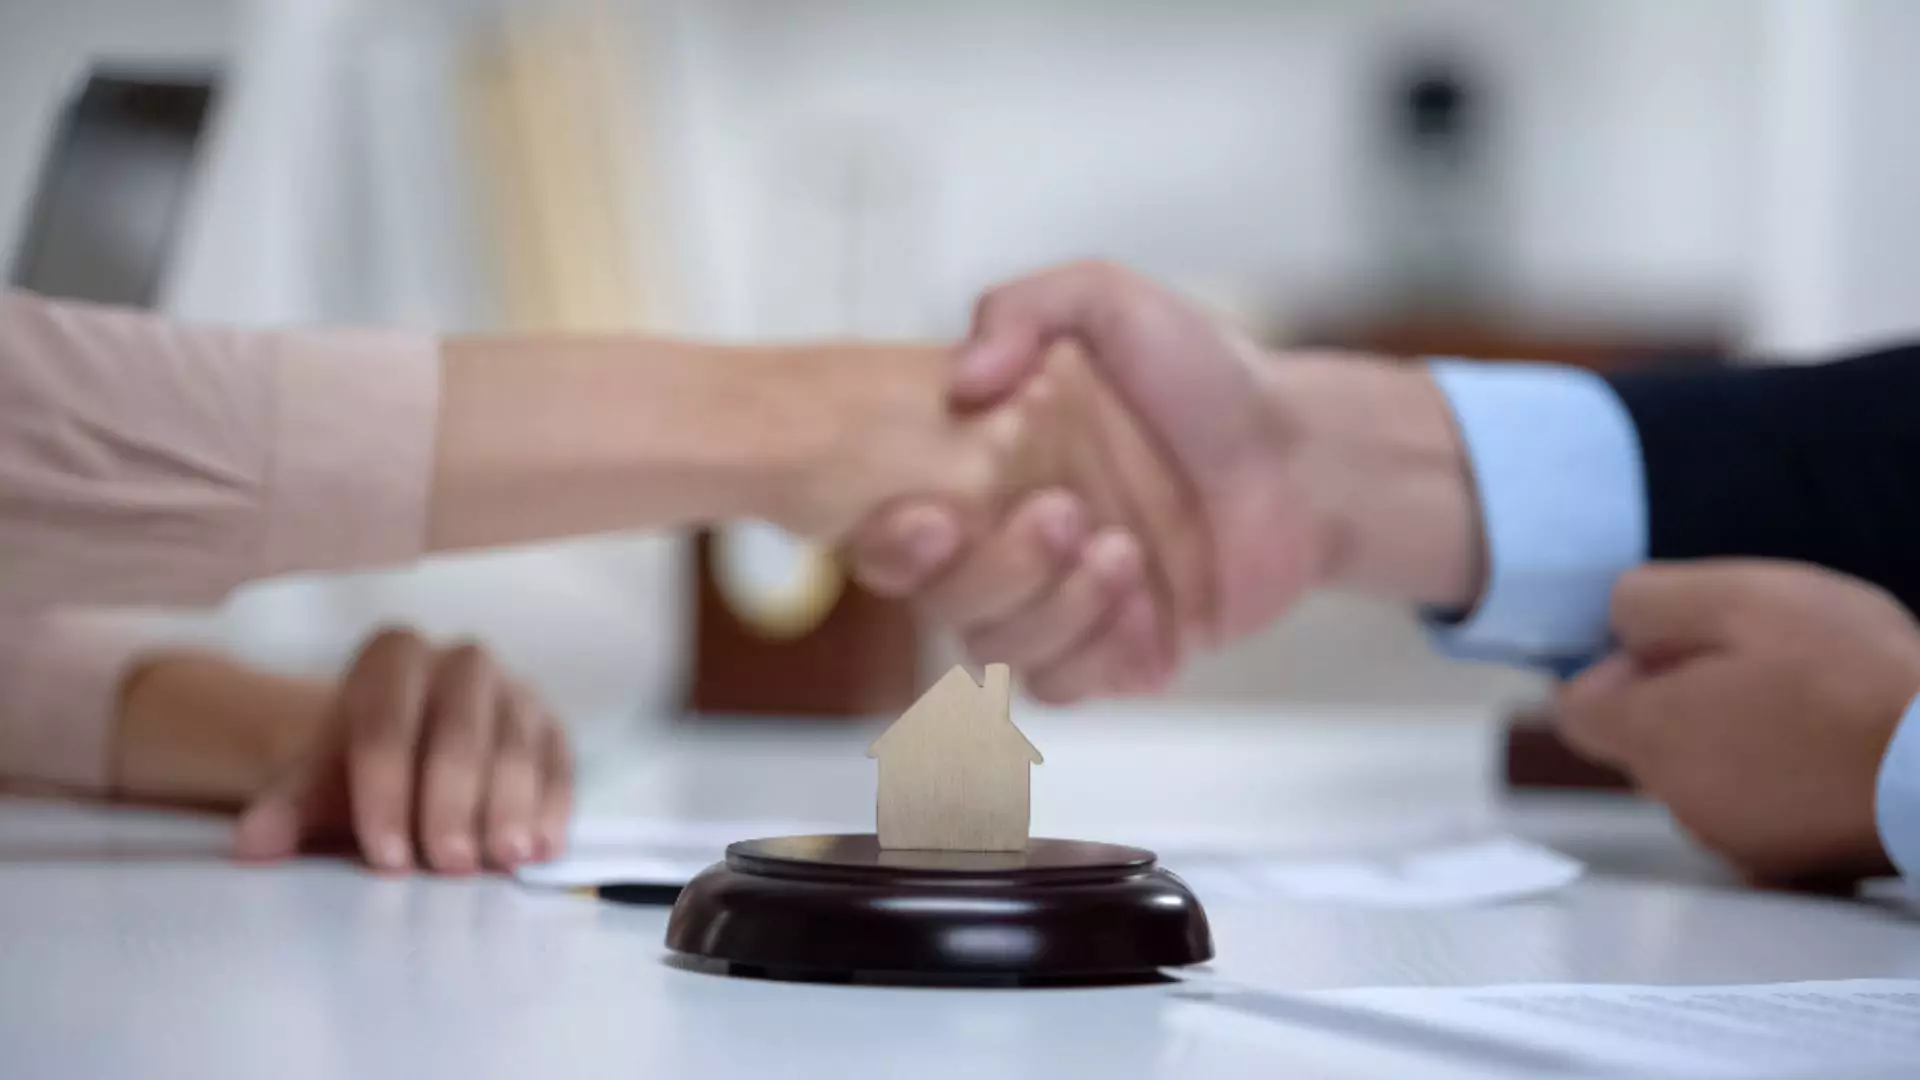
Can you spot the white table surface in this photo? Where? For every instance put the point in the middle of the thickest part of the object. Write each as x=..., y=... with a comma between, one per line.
x=129, y=947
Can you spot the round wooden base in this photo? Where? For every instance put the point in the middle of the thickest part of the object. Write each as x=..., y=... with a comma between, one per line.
x=840, y=907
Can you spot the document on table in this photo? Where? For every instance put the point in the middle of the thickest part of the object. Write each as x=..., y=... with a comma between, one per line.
x=1473, y=872
x=1447, y=875
x=1825, y=1029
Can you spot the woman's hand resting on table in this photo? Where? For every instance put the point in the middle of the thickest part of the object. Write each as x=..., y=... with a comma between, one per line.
x=417, y=756
x=426, y=756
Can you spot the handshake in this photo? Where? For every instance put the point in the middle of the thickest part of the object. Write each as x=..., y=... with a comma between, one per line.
x=1121, y=480
x=1103, y=479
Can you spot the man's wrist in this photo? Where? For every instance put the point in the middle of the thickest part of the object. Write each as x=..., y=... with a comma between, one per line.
x=1371, y=447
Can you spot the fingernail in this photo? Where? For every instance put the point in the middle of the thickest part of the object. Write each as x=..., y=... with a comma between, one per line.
x=265, y=831
x=973, y=372
x=516, y=845
x=390, y=853
x=457, y=849
x=1115, y=557
x=972, y=360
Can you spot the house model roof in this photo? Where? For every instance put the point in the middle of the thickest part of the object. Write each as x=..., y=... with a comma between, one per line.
x=956, y=699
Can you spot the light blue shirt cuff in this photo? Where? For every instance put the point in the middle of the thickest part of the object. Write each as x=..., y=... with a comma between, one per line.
x=1557, y=468
x=1897, y=799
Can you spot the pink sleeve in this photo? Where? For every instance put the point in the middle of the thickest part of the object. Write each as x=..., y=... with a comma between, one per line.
x=144, y=462
x=60, y=677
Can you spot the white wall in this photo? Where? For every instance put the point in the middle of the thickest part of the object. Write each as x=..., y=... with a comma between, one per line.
x=1838, y=264
x=1224, y=145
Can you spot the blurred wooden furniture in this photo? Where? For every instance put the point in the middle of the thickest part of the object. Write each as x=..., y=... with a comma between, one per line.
x=862, y=658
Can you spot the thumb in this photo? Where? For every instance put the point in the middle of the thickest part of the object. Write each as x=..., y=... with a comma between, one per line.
x=307, y=800
x=1669, y=611
x=1593, y=710
x=1015, y=323
x=1186, y=377
x=904, y=547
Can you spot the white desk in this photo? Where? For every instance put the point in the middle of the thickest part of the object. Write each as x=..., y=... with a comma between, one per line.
x=128, y=947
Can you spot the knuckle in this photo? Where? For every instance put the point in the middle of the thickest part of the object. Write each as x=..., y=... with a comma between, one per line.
x=990, y=646
x=990, y=304
x=460, y=743
x=1043, y=391
x=558, y=752
x=392, y=644
x=521, y=724
x=465, y=659
x=1049, y=692
x=1101, y=270
x=1629, y=592
x=375, y=721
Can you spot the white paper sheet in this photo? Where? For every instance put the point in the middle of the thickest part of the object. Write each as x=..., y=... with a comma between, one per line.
x=1477, y=872
x=1451, y=875
x=1785, y=1029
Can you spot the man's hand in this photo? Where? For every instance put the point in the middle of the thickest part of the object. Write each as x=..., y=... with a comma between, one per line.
x=1300, y=471
x=1756, y=700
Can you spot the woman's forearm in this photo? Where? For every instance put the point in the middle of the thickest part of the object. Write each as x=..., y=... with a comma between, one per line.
x=148, y=463
x=202, y=730
x=551, y=436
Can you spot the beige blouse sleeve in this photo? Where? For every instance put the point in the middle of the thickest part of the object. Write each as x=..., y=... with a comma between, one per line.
x=60, y=679
x=145, y=462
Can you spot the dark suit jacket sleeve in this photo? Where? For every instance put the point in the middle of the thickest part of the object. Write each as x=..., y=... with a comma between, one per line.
x=1819, y=464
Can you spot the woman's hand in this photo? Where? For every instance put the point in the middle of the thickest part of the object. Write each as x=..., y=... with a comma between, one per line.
x=865, y=424
x=424, y=756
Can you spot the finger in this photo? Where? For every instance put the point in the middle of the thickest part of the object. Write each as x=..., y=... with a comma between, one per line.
x=1012, y=568
x=1667, y=611
x=308, y=798
x=380, y=703
x=463, y=710
x=1014, y=323
x=1141, y=657
x=513, y=790
x=1117, y=658
x=902, y=548
x=556, y=790
x=1039, y=635
x=1600, y=712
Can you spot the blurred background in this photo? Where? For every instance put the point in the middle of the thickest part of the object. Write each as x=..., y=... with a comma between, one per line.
x=1604, y=182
